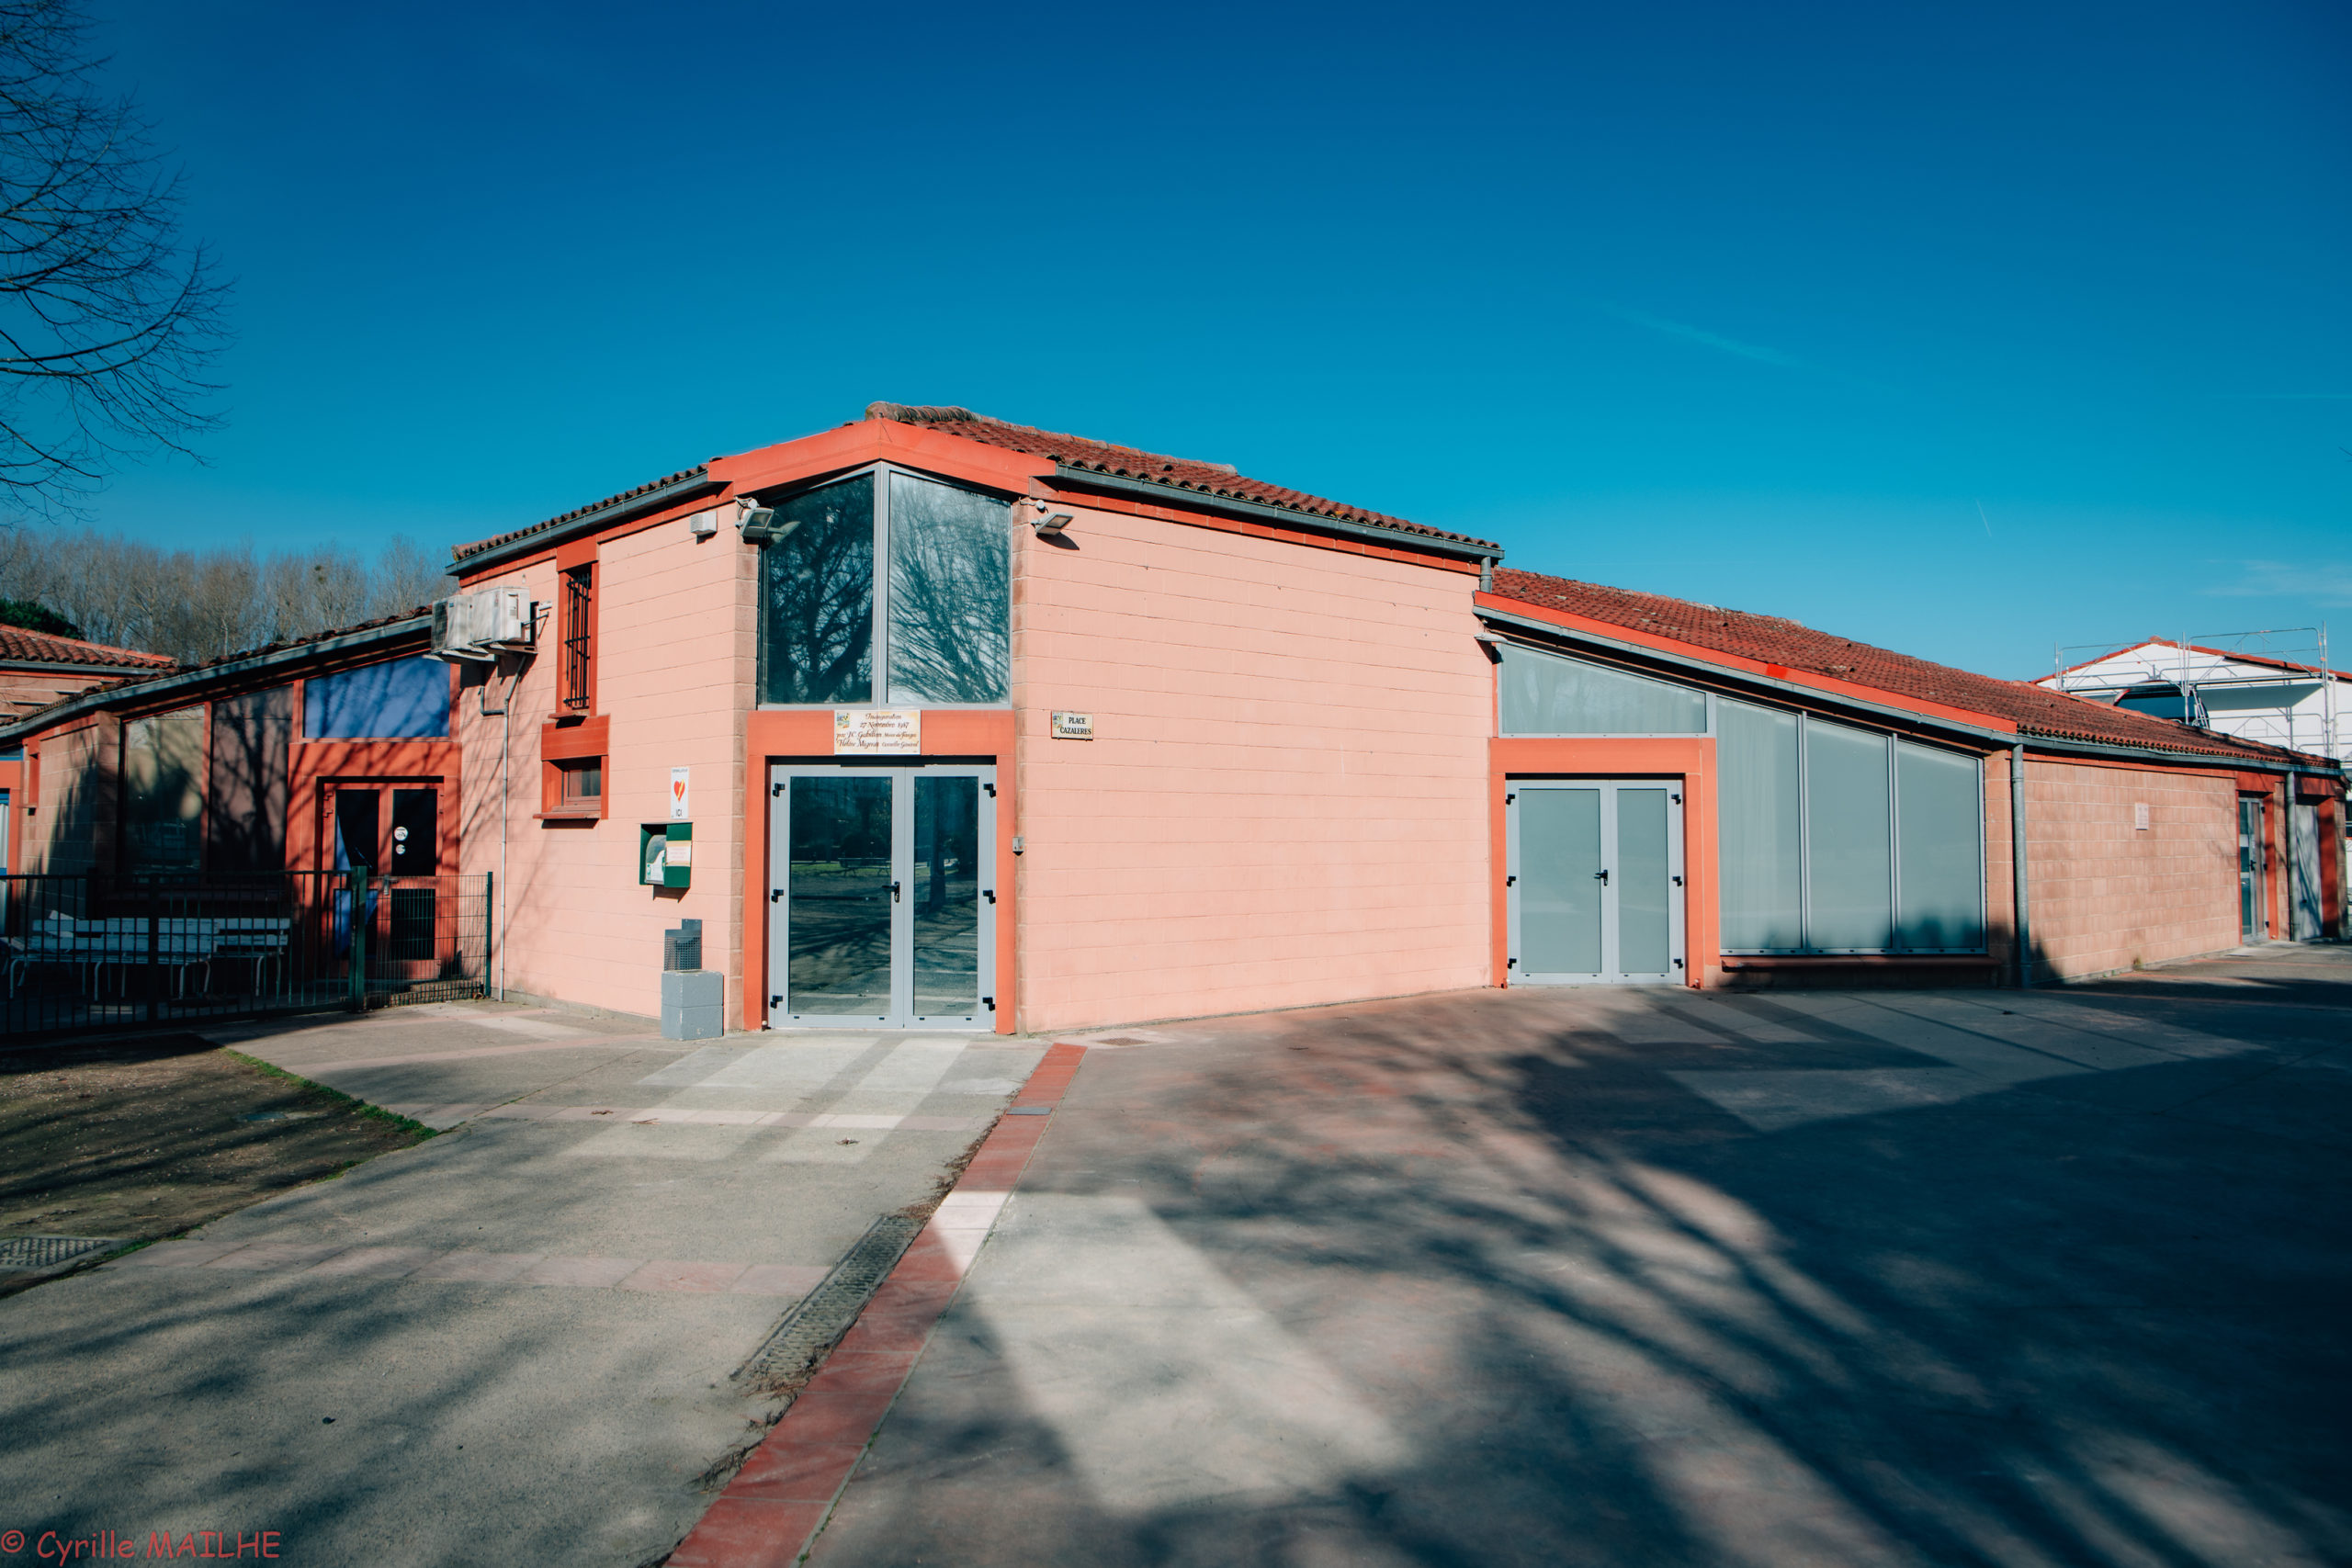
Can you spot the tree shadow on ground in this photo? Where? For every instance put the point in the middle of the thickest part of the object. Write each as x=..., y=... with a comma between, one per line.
x=1614, y=1322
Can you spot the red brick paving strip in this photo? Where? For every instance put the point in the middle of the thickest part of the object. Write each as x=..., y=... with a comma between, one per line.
x=778, y=1501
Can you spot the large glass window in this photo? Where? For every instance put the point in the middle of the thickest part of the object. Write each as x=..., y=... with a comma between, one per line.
x=934, y=623
x=817, y=597
x=1940, y=844
x=400, y=699
x=163, y=795
x=1547, y=694
x=1762, y=841
x=1837, y=839
x=1847, y=811
x=950, y=630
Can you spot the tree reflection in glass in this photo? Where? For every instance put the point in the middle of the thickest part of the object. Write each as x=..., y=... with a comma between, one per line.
x=817, y=597
x=950, y=638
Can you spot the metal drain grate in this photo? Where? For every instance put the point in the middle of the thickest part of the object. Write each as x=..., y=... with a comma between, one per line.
x=47, y=1251
x=823, y=1315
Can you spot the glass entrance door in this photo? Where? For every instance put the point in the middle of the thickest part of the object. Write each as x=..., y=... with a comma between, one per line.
x=2250, y=911
x=394, y=831
x=879, y=883
x=1596, y=881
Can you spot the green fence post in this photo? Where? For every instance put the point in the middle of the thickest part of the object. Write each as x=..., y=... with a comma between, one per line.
x=359, y=880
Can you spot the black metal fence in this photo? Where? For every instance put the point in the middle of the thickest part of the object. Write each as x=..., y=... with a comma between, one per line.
x=89, y=951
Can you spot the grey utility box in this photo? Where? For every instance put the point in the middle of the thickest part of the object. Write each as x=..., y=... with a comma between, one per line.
x=694, y=999
x=693, y=1004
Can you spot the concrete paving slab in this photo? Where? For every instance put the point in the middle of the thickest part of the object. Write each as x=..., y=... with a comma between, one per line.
x=1501, y=1280
x=511, y=1342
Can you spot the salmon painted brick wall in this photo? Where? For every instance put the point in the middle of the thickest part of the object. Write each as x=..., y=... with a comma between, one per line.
x=1284, y=804
x=2104, y=895
x=674, y=667
x=72, y=827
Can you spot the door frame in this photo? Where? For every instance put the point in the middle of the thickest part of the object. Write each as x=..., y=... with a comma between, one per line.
x=1677, y=883
x=902, y=771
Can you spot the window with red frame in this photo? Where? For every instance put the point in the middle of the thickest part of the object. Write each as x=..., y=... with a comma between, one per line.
x=579, y=688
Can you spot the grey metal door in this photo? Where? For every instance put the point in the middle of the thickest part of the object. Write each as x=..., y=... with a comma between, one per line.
x=881, y=888
x=1595, y=881
x=2303, y=913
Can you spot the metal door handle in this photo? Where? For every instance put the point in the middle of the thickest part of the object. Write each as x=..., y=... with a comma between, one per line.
x=894, y=893
x=1601, y=875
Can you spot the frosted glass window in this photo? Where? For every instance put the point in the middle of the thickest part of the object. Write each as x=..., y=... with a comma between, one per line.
x=1761, y=836
x=1545, y=694
x=816, y=598
x=1940, y=837
x=950, y=637
x=1848, y=807
x=163, y=795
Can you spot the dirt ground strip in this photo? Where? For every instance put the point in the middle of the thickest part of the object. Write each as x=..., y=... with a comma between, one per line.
x=140, y=1138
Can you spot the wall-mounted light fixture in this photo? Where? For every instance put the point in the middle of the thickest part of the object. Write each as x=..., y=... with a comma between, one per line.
x=1041, y=516
x=757, y=523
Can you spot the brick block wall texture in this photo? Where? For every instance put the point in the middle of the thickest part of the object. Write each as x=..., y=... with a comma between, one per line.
x=2106, y=896
x=74, y=829
x=673, y=676
x=1285, y=803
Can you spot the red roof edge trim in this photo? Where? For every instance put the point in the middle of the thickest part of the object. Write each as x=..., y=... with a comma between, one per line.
x=1738, y=638
x=1828, y=685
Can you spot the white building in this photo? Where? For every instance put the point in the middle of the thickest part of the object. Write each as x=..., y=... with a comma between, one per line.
x=2279, y=702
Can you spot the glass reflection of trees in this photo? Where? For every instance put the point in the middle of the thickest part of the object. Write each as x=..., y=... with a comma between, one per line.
x=948, y=622
x=816, y=598
x=950, y=640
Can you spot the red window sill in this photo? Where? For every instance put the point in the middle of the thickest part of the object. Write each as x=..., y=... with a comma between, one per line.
x=596, y=814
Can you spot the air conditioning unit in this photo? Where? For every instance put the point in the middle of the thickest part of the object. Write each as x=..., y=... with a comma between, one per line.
x=483, y=624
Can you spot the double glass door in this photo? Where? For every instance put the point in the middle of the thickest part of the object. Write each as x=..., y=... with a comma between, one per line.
x=880, y=884
x=393, y=830
x=1595, y=880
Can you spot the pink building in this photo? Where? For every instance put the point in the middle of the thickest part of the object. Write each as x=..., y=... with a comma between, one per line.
x=940, y=722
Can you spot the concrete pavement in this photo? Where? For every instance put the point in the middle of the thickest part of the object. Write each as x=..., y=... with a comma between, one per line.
x=511, y=1342
x=1651, y=1278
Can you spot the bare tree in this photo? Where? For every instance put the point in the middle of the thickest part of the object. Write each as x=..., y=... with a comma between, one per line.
x=108, y=320
x=406, y=576
x=200, y=604
x=339, y=589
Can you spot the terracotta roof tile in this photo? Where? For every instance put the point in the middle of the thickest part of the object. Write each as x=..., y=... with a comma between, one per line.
x=130, y=690
x=1129, y=462
x=16, y=643
x=1078, y=451
x=458, y=554
x=1771, y=639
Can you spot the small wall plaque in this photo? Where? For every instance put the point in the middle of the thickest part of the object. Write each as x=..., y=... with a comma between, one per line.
x=1073, y=726
x=875, y=732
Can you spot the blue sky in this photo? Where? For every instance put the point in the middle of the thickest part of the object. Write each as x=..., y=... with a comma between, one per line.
x=1963, y=330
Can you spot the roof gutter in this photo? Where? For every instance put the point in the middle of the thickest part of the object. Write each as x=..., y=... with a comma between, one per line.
x=1203, y=501
x=91, y=702
x=699, y=482
x=1641, y=652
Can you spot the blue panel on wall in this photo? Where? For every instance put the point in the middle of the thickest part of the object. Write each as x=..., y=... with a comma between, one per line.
x=401, y=699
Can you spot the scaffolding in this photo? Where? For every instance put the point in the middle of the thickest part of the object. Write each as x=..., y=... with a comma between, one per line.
x=2226, y=673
